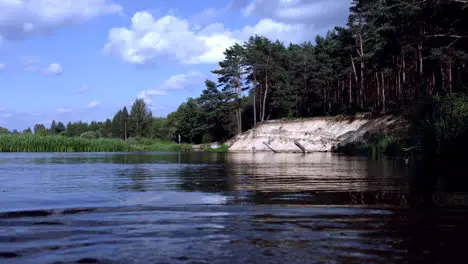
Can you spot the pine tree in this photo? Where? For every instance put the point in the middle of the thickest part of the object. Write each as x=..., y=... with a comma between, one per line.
x=231, y=71
x=140, y=119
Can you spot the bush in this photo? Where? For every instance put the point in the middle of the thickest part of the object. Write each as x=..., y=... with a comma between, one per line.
x=89, y=135
x=440, y=127
x=223, y=148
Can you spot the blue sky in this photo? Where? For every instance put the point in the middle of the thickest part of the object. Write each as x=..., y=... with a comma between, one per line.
x=70, y=60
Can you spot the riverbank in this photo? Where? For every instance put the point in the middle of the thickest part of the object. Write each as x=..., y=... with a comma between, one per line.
x=36, y=143
x=320, y=134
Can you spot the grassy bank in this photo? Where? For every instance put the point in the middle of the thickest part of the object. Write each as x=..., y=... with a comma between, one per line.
x=32, y=143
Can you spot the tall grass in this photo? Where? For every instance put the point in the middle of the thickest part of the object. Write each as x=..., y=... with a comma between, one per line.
x=32, y=143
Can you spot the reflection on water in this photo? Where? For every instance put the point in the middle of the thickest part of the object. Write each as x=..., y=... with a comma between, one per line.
x=218, y=208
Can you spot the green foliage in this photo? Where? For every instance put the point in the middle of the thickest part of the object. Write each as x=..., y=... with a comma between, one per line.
x=34, y=143
x=140, y=119
x=39, y=129
x=390, y=55
x=43, y=132
x=161, y=129
x=441, y=126
x=4, y=131
x=89, y=135
x=222, y=149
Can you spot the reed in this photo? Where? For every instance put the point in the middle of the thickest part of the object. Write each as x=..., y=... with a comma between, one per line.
x=34, y=143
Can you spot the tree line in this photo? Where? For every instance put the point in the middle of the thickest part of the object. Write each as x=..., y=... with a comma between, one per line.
x=139, y=122
x=390, y=55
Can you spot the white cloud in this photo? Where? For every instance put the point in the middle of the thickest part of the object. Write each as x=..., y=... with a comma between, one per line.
x=83, y=88
x=22, y=17
x=321, y=13
x=149, y=40
x=178, y=81
x=93, y=104
x=175, y=82
x=148, y=94
x=7, y=115
x=53, y=69
x=2, y=66
x=33, y=64
x=64, y=110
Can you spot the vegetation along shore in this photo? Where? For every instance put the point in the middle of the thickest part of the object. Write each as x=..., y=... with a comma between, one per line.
x=406, y=58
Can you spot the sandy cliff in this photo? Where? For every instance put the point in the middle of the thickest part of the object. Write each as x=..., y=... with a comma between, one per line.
x=314, y=134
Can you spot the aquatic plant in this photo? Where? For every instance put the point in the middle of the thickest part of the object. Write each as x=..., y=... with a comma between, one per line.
x=34, y=143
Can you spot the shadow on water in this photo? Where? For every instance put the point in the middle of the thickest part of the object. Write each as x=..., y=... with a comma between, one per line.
x=223, y=208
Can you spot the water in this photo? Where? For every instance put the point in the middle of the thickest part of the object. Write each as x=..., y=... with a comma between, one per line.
x=219, y=208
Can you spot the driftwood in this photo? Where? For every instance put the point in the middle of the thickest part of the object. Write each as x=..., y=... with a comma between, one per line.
x=300, y=146
x=268, y=146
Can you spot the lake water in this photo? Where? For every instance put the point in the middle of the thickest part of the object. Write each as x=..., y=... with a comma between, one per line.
x=219, y=208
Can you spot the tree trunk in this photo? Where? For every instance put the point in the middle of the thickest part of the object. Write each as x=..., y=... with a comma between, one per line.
x=383, y=92
x=378, y=88
x=361, y=44
x=420, y=66
x=340, y=97
x=450, y=78
x=239, y=109
x=350, y=87
x=254, y=109
x=255, y=100
x=265, y=97
x=442, y=75
x=404, y=69
x=399, y=85
x=125, y=130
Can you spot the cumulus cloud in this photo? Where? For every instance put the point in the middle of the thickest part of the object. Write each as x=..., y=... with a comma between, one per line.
x=19, y=18
x=178, y=81
x=53, y=69
x=64, y=110
x=93, y=104
x=175, y=82
x=321, y=13
x=148, y=40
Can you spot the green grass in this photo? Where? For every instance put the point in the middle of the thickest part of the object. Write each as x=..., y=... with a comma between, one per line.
x=221, y=149
x=32, y=143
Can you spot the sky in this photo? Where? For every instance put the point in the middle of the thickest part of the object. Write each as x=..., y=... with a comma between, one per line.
x=70, y=60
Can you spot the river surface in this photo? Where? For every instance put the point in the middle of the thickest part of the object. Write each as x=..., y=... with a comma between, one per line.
x=219, y=208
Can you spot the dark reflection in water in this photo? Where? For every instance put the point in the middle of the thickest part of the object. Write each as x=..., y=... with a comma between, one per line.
x=218, y=208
